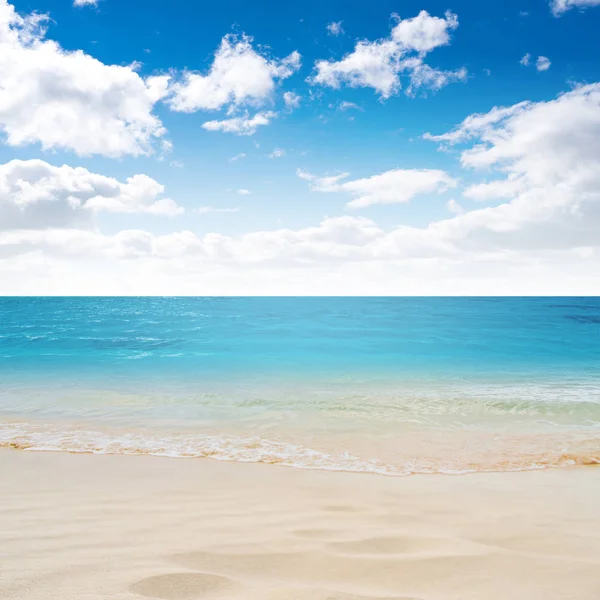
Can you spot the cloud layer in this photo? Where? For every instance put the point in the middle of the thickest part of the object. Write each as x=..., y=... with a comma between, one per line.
x=539, y=224
x=35, y=195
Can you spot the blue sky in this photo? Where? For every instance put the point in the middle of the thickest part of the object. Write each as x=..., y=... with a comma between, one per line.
x=339, y=125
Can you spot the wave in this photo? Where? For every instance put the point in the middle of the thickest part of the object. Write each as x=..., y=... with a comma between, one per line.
x=254, y=449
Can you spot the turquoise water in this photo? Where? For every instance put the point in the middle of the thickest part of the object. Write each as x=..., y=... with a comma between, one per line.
x=385, y=384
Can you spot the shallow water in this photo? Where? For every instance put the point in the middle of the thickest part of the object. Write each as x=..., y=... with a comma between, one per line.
x=387, y=385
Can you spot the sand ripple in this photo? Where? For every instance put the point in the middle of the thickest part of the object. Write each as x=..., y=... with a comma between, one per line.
x=181, y=586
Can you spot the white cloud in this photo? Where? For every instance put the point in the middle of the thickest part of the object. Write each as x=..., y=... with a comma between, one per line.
x=344, y=105
x=166, y=146
x=85, y=2
x=245, y=125
x=379, y=64
x=369, y=65
x=477, y=123
x=238, y=75
x=244, y=192
x=69, y=100
x=542, y=63
x=491, y=190
x=547, y=156
x=322, y=184
x=559, y=7
x=391, y=187
x=277, y=153
x=538, y=233
x=37, y=195
x=204, y=210
x=335, y=28
x=291, y=100
x=422, y=76
x=423, y=33
x=342, y=255
x=454, y=207
x=237, y=157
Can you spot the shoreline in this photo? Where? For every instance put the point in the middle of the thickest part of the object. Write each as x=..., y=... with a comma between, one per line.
x=584, y=463
x=411, y=453
x=107, y=526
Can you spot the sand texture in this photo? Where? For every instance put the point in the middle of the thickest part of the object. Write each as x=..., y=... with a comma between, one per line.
x=82, y=527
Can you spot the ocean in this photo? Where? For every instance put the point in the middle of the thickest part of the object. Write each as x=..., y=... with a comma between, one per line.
x=394, y=386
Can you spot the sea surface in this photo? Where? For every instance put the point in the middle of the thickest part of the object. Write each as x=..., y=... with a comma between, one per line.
x=381, y=385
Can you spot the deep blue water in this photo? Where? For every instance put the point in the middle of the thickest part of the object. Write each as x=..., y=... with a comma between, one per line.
x=223, y=337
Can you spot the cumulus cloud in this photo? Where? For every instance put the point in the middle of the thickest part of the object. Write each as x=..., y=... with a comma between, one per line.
x=392, y=187
x=542, y=63
x=559, y=7
x=335, y=28
x=239, y=75
x=85, y=2
x=244, y=192
x=37, y=195
x=291, y=100
x=422, y=76
x=423, y=33
x=381, y=63
x=70, y=100
x=547, y=156
x=245, y=125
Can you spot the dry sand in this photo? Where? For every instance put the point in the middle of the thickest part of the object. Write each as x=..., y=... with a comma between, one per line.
x=81, y=527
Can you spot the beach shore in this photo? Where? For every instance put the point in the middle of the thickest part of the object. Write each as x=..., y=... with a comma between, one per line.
x=75, y=527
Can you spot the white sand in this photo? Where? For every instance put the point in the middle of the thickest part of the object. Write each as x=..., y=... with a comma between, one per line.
x=81, y=527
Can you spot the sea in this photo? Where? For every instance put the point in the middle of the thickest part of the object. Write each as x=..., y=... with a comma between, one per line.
x=391, y=386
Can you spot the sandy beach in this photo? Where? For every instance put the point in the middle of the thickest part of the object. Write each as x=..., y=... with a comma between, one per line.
x=76, y=527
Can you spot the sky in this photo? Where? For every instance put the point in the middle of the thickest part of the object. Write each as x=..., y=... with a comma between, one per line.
x=308, y=148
